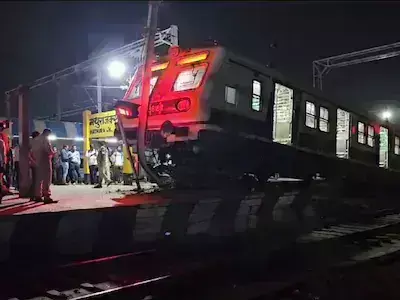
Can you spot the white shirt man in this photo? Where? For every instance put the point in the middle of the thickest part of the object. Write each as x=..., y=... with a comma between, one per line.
x=117, y=158
x=92, y=157
x=91, y=154
x=15, y=153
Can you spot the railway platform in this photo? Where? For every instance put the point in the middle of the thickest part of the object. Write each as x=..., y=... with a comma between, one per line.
x=75, y=197
x=89, y=222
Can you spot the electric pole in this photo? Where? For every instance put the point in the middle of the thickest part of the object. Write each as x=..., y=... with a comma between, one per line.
x=151, y=30
x=99, y=91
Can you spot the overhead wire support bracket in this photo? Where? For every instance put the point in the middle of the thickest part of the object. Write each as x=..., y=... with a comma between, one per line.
x=323, y=66
x=167, y=36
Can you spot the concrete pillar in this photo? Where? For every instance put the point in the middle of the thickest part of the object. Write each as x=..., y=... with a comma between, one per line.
x=24, y=131
x=8, y=112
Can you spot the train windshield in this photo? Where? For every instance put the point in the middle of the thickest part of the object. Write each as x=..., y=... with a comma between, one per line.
x=138, y=86
x=190, y=78
x=134, y=91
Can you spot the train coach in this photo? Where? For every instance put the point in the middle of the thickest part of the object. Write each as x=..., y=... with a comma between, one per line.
x=221, y=111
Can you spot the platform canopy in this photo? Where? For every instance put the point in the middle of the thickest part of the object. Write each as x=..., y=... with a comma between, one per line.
x=62, y=130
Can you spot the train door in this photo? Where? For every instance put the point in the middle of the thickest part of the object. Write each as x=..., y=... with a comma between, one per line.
x=384, y=147
x=342, y=133
x=283, y=113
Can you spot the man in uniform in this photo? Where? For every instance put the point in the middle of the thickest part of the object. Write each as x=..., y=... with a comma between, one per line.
x=103, y=163
x=43, y=152
x=6, y=145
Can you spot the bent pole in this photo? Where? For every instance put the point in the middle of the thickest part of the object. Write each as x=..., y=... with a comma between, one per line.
x=145, y=99
x=130, y=157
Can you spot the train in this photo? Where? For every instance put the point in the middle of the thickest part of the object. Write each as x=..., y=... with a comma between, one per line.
x=216, y=112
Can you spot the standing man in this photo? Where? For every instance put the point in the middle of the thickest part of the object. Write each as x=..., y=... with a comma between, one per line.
x=75, y=164
x=6, y=145
x=103, y=162
x=15, y=153
x=117, y=158
x=55, y=162
x=64, y=164
x=32, y=166
x=92, y=158
x=3, y=192
x=6, y=141
x=42, y=152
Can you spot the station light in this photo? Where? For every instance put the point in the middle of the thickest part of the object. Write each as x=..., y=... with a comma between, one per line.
x=386, y=115
x=116, y=69
x=78, y=139
x=52, y=137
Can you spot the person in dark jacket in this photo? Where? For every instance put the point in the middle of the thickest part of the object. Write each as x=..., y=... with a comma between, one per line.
x=55, y=162
x=64, y=157
x=15, y=153
x=32, y=164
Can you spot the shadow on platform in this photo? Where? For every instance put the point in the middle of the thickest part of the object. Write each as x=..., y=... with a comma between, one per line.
x=15, y=208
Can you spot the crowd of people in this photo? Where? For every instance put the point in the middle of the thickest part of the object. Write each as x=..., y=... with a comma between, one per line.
x=103, y=166
x=49, y=166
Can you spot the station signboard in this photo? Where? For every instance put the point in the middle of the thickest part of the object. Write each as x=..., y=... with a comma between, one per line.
x=102, y=125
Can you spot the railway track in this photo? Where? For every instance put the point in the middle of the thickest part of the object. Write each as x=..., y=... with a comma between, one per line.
x=136, y=274
x=147, y=275
x=316, y=256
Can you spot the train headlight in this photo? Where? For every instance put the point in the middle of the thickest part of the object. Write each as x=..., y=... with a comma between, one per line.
x=124, y=112
x=127, y=109
x=183, y=105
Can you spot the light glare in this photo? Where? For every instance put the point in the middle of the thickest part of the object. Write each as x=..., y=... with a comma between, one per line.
x=386, y=115
x=116, y=69
x=112, y=140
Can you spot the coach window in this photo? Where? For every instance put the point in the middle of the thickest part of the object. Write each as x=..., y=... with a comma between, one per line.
x=396, y=145
x=361, y=133
x=323, y=119
x=256, y=96
x=370, y=137
x=230, y=95
x=310, y=115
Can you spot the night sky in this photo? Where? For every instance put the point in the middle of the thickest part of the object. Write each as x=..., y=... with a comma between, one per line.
x=41, y=38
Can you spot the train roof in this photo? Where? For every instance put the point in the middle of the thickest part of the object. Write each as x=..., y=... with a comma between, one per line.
x=286, y=80
x=270, y=72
